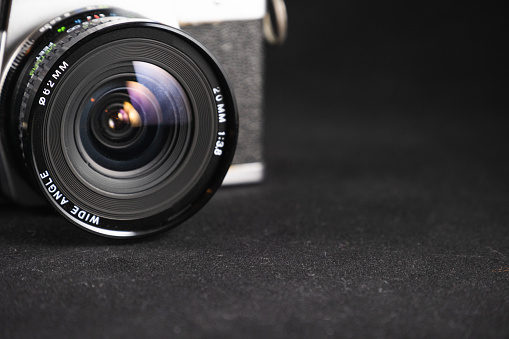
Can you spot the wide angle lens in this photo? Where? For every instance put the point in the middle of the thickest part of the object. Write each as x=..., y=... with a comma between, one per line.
x=127, y=126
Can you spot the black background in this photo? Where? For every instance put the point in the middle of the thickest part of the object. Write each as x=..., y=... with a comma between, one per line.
x=384, y=212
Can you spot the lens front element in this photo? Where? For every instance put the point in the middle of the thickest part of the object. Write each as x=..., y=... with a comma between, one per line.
x=134, y=118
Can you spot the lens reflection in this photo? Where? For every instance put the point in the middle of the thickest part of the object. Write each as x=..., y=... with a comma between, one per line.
x=135, y=119
x=125, y=117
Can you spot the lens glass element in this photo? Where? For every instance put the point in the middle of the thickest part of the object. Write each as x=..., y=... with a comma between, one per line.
x=133, y=119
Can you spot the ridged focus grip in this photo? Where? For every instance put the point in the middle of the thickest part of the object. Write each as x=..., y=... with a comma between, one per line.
x=45, y=60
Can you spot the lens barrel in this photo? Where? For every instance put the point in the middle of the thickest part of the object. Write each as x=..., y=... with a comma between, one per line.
x=126, y=126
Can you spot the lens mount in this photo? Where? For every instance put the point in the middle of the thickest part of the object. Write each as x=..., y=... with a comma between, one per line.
x=128, y=126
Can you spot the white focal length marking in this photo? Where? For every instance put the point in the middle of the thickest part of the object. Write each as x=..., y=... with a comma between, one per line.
x=221, y=111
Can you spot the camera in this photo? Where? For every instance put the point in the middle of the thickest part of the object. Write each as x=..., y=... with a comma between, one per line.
x=123, y=116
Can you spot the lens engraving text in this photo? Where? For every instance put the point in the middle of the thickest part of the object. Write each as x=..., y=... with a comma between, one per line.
x=52, y=188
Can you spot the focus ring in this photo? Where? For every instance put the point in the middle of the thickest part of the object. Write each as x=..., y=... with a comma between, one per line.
x=40, y=69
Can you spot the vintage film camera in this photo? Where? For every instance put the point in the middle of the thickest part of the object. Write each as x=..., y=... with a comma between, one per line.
x=124, y=123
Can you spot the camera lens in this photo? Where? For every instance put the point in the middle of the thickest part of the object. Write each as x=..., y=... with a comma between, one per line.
x=127, y=126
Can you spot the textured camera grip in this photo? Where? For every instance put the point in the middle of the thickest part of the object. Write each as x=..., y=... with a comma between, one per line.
x=239, y=48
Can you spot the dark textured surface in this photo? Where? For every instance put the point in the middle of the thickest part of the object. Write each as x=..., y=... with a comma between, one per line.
x=384, y=213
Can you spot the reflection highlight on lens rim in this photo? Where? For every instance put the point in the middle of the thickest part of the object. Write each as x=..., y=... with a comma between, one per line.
x=161, y=85
x=142, y=101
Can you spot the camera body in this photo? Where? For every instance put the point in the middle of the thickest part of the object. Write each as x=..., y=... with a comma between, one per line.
x=231, y=30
